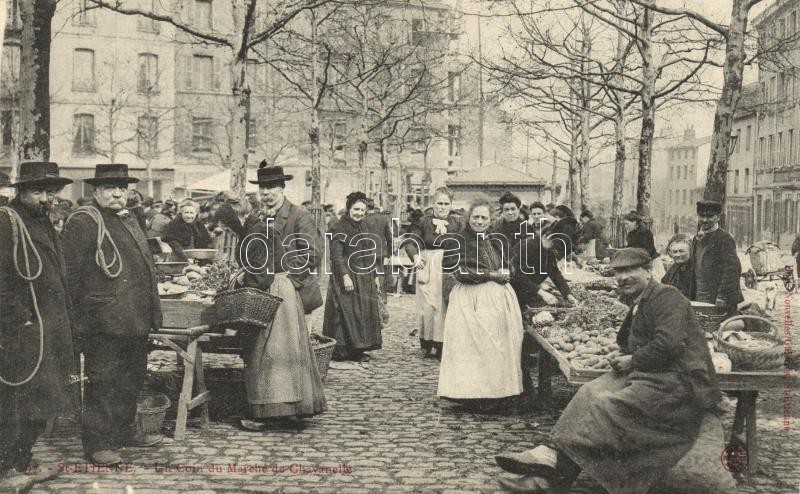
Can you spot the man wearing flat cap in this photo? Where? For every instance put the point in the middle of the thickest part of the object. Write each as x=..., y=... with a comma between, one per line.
x=716, y=266
x=112, y=280
x=629, y=427
x=36, y=383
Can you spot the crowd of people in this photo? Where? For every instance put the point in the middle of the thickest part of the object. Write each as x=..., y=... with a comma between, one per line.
x=82, y=280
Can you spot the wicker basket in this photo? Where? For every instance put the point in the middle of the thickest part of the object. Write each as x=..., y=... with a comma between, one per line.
x=323, y=351
x=151, y=408
x=243, y=308
x=753, y=359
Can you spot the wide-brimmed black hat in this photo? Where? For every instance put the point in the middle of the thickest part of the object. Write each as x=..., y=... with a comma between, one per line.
x=111, y=173
x=271, y=174
x=709, y=208
x=40, y=173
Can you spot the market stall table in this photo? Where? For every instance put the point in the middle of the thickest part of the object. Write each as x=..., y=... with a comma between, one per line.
x=744, y=385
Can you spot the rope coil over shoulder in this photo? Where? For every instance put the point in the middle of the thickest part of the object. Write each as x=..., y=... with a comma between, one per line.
x=21, y=239
x=102, y=234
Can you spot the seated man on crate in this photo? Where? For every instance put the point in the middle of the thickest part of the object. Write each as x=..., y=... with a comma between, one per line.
x=629, y=427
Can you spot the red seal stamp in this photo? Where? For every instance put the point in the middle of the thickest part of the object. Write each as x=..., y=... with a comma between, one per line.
x=734, y=459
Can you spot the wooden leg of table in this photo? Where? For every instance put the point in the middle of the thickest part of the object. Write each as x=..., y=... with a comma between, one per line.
x=201, y=385
x=752, y=433
x=545, y=392
x=186, y=392
x=738, y=420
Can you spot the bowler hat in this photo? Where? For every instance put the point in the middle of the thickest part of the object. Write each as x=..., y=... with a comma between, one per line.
x=40, y=173
x=708, y=208
x=271, y=174
x=630, y=257
x=4, y=180
x=111, y=173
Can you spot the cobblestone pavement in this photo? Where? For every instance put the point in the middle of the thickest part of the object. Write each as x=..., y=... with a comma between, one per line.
x=385, y=431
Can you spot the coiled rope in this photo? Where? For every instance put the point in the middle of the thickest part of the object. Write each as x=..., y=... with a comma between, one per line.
x=102, y=234
x=21, y=239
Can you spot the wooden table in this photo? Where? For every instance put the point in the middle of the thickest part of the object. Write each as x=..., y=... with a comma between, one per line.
x=186, y=328
x=745, y=386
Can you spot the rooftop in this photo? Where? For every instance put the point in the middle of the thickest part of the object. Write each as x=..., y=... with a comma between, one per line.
x=494, y=174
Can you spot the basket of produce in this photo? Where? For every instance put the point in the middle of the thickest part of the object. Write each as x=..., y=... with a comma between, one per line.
x=243, y=308
x=151, y=408
x=708, y=316
x=323, y=351
x=750, y=351
x=202, y=254
x=171, y=267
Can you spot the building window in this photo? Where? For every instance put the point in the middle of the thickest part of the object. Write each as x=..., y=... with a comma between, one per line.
x=781, y=153
x=762, y=152
x=417, y=25
x=83, y=70
x=84, y=14
x=685, y=171
x=83, y=130
x=738, y=143
x=418, y=140
x=771, y=150
x=201, y=76
x=453, y=140
x=146, y=24
x=252, y=141
x=147, y=137
x=736, y=182
x=746, y=181
x=148, y=73
x=202, y=14
x=201, y=135
x=684, y=196
x=671, y=171
x=453, y=86
x=255, y=76
x=339, y=136
x=792, y=23
x=790, y=157
x=670, y=197
x=749, y=136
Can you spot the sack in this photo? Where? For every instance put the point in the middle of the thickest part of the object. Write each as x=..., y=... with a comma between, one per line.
x=310, y=294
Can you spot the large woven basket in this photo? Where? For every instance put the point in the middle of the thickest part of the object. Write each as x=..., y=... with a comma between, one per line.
x=244, y=308
x=151, y=408
x=323, y=351
x=769, y=358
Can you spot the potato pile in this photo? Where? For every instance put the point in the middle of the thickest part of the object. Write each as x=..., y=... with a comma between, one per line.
x=592, y=349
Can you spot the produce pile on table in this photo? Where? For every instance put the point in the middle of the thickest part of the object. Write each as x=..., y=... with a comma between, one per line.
x=599, y=267
x=586, y=334
x=200, y=283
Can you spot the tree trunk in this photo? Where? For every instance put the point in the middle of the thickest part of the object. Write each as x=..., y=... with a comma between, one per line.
x=241, y=121
x=585, y=116
x=553, y=195
x=573, y=166
x=716, y=179
x=313, y=132
x=34, y=80
x=648, y=96
x=620, y=122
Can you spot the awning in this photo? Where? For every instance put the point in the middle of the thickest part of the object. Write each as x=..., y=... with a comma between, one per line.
x=222, y=182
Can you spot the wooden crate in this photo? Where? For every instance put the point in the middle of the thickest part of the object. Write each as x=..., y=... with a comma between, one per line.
x=186, y=313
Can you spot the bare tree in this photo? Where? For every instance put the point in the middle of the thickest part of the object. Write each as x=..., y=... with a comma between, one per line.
x=246, y=34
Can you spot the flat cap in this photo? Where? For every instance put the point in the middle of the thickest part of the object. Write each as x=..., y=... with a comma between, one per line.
x=630, y=257
x=709, y=207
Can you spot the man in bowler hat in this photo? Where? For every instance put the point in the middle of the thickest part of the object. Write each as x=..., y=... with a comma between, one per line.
x=716, y=266
x=116, y=305
x=36, y=383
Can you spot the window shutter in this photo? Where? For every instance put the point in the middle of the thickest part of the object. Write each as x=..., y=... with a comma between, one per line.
x=187, y=71
x=217, y=68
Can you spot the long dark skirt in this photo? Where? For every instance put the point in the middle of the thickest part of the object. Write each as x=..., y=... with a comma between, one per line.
x=628, y=431
x=353, y=318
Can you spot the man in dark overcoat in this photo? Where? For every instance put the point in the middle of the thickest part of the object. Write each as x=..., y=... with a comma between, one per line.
x=116, y=305
x=716, y=265
x=629, y=427
x=37, y=383
x=295, y=229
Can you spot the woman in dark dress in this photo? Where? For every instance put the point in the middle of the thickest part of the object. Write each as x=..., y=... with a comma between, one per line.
x=638, y=235
x=424, y=247
x=352, y=315
x=679, y=273
x=185, y=232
